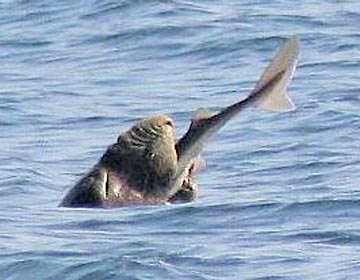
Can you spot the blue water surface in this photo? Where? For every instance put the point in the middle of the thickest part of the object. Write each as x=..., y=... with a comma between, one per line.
x=280, y=195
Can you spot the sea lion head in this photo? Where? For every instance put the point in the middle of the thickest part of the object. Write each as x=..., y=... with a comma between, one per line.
x=149, y=151
x=160, y=151
x=161, y=126
x=147, y=131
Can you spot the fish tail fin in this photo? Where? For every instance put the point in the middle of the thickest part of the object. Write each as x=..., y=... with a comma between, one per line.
x=283, y=65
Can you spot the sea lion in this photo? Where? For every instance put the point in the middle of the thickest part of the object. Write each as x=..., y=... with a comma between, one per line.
x=137, y=169
x=147, y=166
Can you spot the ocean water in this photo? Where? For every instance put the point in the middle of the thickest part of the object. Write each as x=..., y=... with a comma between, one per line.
x=280, y=196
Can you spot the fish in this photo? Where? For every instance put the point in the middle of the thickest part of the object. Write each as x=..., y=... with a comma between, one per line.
x=147, y=165
x=269, y=93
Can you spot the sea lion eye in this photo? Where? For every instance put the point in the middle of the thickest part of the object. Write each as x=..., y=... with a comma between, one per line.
x=169, y=122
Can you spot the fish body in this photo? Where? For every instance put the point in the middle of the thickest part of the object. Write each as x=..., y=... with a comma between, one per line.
x=269, y=94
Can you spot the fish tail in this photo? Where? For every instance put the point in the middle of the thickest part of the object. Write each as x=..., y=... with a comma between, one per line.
x=283, y=65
